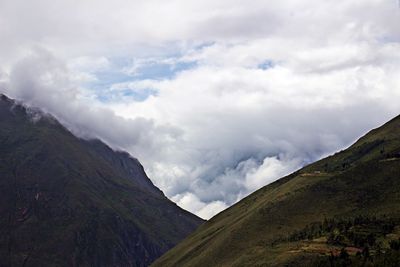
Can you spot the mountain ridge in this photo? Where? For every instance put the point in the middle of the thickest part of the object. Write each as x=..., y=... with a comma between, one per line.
x=73, y=202
x=360, y=181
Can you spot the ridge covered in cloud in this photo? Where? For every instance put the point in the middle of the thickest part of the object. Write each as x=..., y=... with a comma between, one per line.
x=216, y=99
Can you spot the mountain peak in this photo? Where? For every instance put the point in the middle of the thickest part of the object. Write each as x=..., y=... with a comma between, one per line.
x=74, y=202
x=5, y=98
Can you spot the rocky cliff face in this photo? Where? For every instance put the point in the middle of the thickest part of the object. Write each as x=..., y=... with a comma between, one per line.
x=71, y=202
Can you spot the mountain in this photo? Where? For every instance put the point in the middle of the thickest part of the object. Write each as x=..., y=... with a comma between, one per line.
x=66, y=201
x=343, y=210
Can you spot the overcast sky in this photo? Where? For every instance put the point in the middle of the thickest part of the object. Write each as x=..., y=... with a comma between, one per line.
x=215, y=98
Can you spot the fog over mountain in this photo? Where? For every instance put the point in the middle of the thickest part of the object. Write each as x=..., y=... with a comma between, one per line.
x=216, y=99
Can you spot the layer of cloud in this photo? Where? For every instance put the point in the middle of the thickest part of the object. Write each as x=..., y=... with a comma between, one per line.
x=42, y=80
x=254, y=91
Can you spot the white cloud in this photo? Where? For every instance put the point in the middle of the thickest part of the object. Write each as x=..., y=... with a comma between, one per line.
x=190, y=201
x=275, y=85
x=267, y=172
x=89, y=64
x=237, y=118
x=42, y=80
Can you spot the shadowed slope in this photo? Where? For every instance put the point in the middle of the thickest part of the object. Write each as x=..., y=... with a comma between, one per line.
x=70, y=202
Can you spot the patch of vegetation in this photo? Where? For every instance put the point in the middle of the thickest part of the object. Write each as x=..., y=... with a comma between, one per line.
x=360, y=241
x=359, y=231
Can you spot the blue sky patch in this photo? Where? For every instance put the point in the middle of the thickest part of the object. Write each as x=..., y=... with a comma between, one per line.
x=268, y=64
x=124, y=71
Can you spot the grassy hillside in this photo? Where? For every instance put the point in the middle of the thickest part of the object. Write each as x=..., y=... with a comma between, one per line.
x=70, y=202
x=340, y=211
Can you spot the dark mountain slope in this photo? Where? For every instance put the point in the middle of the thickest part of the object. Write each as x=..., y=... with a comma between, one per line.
x=71, y=202
x=341, y=211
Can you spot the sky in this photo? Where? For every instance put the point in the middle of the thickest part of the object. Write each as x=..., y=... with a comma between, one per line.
x=215, y=98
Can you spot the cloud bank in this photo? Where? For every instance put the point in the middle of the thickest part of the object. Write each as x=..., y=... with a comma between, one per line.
x=215, y=99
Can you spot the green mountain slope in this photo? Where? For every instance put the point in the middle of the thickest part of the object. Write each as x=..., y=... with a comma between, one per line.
x=343, y=210
x=70, y=202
